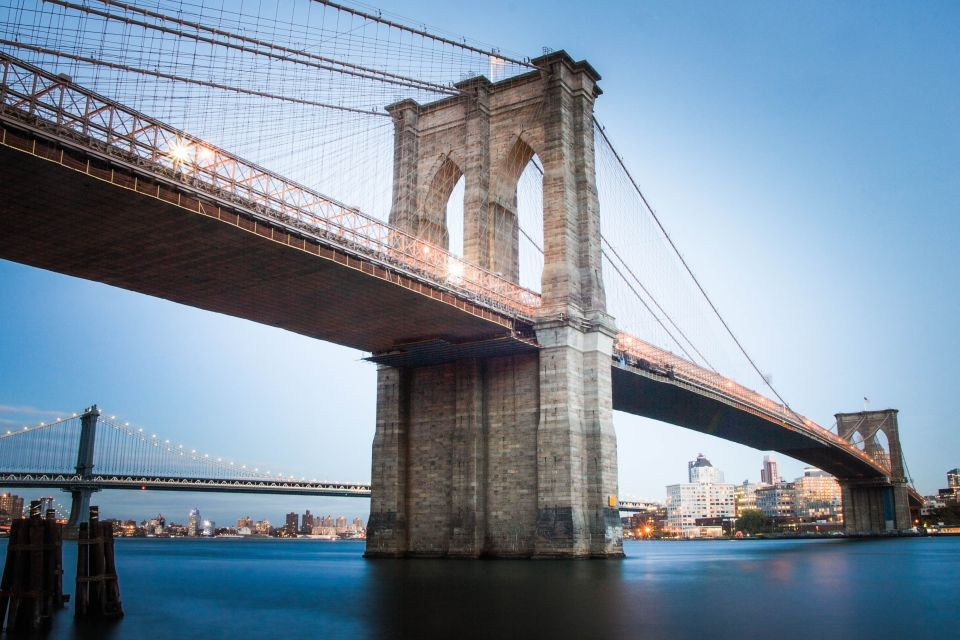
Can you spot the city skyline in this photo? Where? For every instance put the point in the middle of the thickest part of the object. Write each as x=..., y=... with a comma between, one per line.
x=815, y=180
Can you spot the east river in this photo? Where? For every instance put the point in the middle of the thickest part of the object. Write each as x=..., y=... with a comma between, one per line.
x=823, y=589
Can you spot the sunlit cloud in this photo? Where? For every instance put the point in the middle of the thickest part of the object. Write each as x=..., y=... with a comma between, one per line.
x=30, y=411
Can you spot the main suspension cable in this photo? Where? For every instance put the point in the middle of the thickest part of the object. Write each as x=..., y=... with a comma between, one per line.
x=194, y=81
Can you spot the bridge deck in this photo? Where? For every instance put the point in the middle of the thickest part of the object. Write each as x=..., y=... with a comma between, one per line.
x=104, y=222
x=677, y=402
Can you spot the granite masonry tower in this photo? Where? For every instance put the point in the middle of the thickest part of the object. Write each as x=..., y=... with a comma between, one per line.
x=509, y=456
x=875, y=506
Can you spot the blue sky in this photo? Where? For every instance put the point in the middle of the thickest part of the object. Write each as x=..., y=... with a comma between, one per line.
x=803, y=156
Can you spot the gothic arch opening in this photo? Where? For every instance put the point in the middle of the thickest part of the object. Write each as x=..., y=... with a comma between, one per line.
x=530, y=220
x=433, y=220
x=879, y=448
x=516, y=216
x=454, y=217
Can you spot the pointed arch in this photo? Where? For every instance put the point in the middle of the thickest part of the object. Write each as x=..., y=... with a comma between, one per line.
x=432, y=221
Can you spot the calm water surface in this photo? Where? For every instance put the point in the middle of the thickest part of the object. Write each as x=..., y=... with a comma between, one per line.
x=908, y=588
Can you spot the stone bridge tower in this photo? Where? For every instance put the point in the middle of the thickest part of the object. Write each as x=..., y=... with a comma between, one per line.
x=512, y=455
x=875, y=506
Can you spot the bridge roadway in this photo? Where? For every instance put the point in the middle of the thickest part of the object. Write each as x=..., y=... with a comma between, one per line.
x=76, y=209
x=157, y=483
x=152, y=483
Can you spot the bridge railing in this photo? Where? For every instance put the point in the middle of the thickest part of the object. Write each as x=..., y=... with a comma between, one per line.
x=659, y=361
x=54, y=103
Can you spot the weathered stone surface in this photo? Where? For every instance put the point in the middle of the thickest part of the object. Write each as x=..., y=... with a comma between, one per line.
x=504, y=456
x=871, y=507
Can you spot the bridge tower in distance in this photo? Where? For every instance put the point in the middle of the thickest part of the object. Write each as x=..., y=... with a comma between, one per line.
x=81, y=492
x=872, y=506
x=504, y=455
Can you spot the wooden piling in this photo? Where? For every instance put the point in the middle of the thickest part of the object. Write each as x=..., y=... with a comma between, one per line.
x=31, y=588
x=98, y=590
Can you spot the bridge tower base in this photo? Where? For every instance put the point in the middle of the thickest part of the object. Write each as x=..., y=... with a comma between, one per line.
x=511, y=456
x=871, y=508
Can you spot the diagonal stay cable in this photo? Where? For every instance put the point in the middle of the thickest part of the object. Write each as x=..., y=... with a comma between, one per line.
x=686, y=266
x=635, y=293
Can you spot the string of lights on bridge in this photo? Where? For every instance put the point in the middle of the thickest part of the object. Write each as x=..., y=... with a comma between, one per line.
x=57, y=454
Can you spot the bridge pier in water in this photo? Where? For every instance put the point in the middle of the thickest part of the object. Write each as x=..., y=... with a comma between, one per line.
x=875, y=506
x=504, y=455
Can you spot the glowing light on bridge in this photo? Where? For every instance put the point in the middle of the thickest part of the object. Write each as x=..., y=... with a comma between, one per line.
x=179, y=151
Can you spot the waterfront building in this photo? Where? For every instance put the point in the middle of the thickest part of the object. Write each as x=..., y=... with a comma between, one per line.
x=209, y=528
x=244, y=522
x=11, y=507
x=292, y=525
x=155, y=526
x=193, y=522
x=951, y=495
x=778, y=502
x=703, y=498
x=818, y=496
x=263, y=527
x=745, y=497
x=306, y=523
x=770, y=473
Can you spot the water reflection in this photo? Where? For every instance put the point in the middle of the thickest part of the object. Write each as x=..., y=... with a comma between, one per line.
x=748, y=589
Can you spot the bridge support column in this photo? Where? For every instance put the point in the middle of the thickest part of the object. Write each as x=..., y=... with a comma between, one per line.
x=871, y=508
x=79, y=506
x=454, y=459
x=504, y=457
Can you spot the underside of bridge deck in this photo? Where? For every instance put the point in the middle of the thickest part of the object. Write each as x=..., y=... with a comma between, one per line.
x=65, y=220
x=660, y=398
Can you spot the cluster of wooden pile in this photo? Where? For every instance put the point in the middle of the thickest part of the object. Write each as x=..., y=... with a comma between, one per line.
x=31, y=589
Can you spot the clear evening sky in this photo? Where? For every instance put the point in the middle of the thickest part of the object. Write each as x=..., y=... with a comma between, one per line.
x=804, y=156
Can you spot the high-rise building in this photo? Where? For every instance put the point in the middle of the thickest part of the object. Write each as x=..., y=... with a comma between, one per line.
x=341, y=524
x=769, y=474
x=11, y=506
x=209, y=528
x=951, y=495
x=193, y=522
x=292, y=525
x=357, y=524
x=700, y=470
x=245, y=521
x=306, y=523
x=703, y=498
